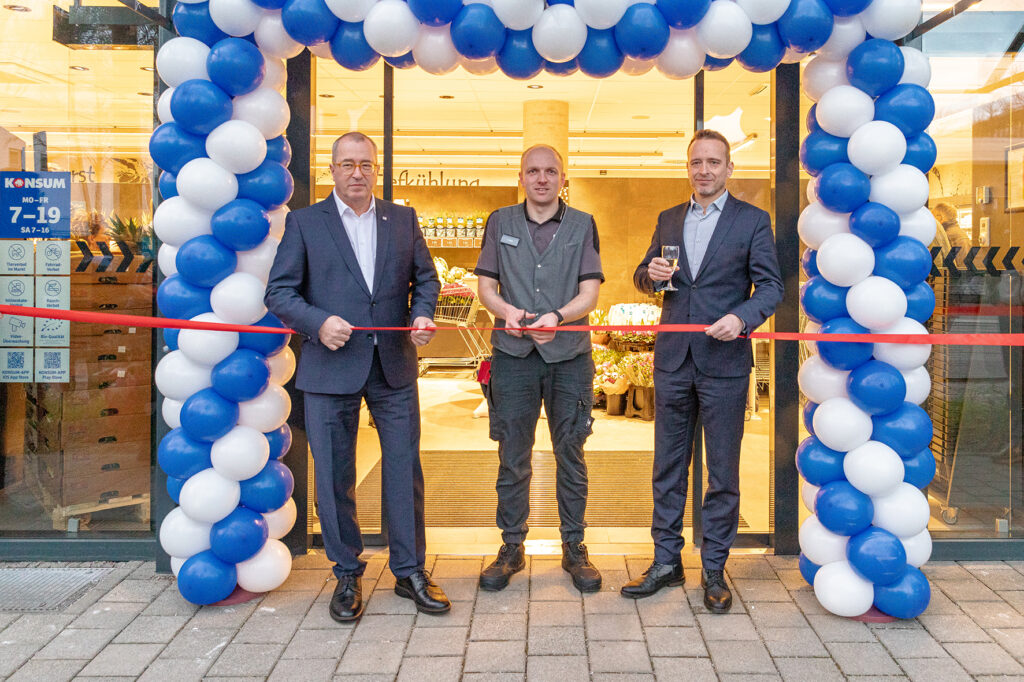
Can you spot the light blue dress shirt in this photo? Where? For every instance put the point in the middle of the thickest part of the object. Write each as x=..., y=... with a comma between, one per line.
x=698, y=226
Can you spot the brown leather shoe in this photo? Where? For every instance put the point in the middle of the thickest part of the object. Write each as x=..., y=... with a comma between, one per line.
x=576, y=562
x=717, y=597
x=347, y=603
x=427, y=595
x=653, y=579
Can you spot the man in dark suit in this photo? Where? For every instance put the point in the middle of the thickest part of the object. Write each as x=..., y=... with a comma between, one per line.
x=355, y=261
x=726, y=247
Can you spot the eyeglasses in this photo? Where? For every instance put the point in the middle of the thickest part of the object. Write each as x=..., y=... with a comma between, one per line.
x=348, y=167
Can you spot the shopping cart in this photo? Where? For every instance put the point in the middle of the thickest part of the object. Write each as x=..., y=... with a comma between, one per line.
x=458, y=305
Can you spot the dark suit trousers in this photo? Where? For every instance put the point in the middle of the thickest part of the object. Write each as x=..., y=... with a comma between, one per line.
x=332, y=422
x=720, y=401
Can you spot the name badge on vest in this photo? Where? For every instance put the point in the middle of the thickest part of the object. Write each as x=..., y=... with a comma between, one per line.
x=510, y=240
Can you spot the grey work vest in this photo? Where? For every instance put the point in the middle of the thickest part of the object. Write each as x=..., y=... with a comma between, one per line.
x=540, y=283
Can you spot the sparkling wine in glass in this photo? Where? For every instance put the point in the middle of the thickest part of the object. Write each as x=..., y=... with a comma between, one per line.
x=671, y=254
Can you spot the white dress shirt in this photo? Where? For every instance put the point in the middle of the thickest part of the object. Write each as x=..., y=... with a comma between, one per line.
x=362, y=235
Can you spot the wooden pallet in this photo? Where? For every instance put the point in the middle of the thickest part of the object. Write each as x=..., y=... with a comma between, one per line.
x=76, y=517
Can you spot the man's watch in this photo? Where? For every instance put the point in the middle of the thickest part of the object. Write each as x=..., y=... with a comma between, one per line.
x=559, y=315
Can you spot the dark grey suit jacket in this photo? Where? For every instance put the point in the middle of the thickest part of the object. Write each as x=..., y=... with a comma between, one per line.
x=316, y=275
x=740, y=255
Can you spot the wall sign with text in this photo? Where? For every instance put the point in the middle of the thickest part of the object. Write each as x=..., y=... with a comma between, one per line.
x=35, y=205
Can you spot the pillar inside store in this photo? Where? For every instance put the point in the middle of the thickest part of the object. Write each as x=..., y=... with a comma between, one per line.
x=546, y=121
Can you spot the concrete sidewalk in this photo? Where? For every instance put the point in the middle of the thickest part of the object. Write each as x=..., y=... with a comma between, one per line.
x=134, y=624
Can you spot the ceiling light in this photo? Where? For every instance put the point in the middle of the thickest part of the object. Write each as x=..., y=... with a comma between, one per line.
x=145, y=94
x=326, y=95
x=147, y=68
x=534, y=86
x=447, y=96
x=641, y=117
x=758, y=90
x=76, y=67
x=17, y=8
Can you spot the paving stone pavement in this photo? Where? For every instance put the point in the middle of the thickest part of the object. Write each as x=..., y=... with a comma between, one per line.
x=135, y=625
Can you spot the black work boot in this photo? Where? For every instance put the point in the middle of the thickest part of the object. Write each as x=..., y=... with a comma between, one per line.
x=717, y=597
x=510, y=560
x=575, y=560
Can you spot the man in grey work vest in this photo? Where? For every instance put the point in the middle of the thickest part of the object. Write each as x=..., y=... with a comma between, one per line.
x=539, y=267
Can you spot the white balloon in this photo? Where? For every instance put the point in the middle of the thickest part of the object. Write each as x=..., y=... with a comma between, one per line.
x=177, y=377
x=812, y=194
x=874, y=468
x=280, y=521
x=903, y=356
x=812, y=327
x=479, y=67
x=323, y=50
x=238, y=299
x=391, y=28
x=240, y=454
x=258, y=261
x=919, y=385
x=267, y=411
x=821, y=75
x=277, y=219
x=282, y=366
x=237, y=146
x=793, y=56
x=208, y=497
x=808, y=495
x=920, y=225
x=163, y=106
x=182, y=59
x=891, y=19
x=817, y=223
x=601, y=14
x=434, y=51
x=820, y=382
x=180, y=536
x=518, y=15
x=843, y=109
x=820, y=545
x=170, y=410
x=267, y=570
x=276, y=76
x=725, y=30
x=265, y=108
x=876, y=302
x=842, y=591
x=272, y=38
x=636, y=67
x=237, y=18
x=877, y=147
x=206, y=184
x=904, y=189
x=165, y=258
x=918, y=548
x=847, y=33
x=176, y=220
x=903, y=512
x=916, y=67
x=764, y=11
x=205, y=347
x=350, y=10
x=841, y=425
x=176, y=563
x=559, y=34
x=845, y=259
x=683, y=56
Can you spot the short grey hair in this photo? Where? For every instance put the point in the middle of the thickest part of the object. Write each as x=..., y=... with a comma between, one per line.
x=356, y=136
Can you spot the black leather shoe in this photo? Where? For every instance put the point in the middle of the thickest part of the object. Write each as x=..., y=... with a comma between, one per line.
x=510, y=560
x=429, y=597
x=717, y=597
x=576, y=561
x=653, y=579
x=347, y=602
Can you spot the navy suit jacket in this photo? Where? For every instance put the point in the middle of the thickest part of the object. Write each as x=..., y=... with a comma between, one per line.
x=740, y=256
x=316, y=275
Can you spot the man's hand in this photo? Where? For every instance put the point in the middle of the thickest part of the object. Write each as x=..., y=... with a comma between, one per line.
x=334, y=332
x=514, y=319
x=545, y=320
x=726, y=329
x=659, y=270
x=425, y=331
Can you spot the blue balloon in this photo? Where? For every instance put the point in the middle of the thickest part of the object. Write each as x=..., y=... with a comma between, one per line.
x=823, y=301
x=819, y=150
x=167, y=183
x=812, y=119
x=270, y=185
x=600, y=56
x=843, y=354
x=562, y=68
x=809, y=262
x=180, y=456
x=171, y=147
x=904, y=260
x=279, y=150
x=807, y=413
x=236, y=65
x=350, y=49
x=683, y=13
x=309, y=22
x=919, y=470
x=203, y=261
x=477, y=32
x=269, y=4
x=405, y=61
x=921, y=152
x=808, y=569
x=518, y=58
x=817, y=463
x=907, y=106
x=238, y=536
x=193, y=20
x=920, y=302
x=269, y=489
x=280, y=441
x=435, y=12
x=204, y=579
x=242, y=375
x=174, y=486
x=847, y=8
x=765, y=50
x=171, y=338
x=875, y=223
x=715, y=64
x=241, y=224
x=642, y=32
x=877, y=387
x=843, y=509
x=806, y=25
x=842, y=187
x=906, y=598
x=199, y=106
x=268, y=344
x=178, y=299
x=907, y=430
x=877, y=555
x=875, y=66
x=206, y=415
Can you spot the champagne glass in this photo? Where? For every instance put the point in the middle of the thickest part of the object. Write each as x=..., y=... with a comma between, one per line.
x=671, y=254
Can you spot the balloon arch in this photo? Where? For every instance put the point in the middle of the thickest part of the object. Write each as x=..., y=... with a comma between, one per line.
x=225, y=185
